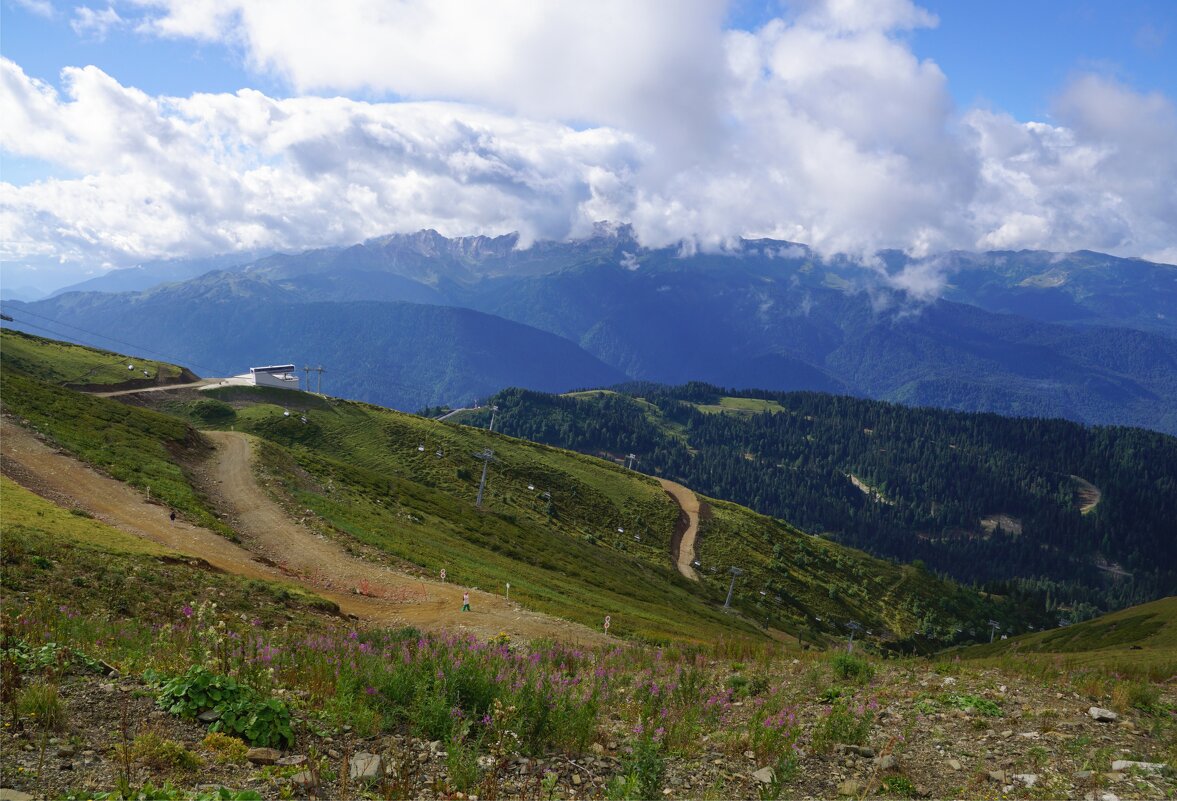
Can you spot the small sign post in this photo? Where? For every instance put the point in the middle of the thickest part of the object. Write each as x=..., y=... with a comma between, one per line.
x=608, y=620
x=443, y=574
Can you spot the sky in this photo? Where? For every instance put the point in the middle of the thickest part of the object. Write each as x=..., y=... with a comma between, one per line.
x=149, y=129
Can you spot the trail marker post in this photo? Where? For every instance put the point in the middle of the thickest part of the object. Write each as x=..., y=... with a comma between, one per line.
x=608, y=620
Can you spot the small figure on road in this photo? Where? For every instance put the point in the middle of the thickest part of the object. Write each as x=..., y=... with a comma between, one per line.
x=173, y=515
x=466, y=602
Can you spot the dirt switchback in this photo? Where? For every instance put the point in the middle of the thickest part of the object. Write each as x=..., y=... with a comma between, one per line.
x=276, y=548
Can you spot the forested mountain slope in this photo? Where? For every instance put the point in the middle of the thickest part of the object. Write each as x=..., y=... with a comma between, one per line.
x=1074, y=514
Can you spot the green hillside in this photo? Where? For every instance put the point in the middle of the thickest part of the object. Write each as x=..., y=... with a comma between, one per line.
x=1138, y=641
x=575, y=536
x=65, y=363
x=1072, y=518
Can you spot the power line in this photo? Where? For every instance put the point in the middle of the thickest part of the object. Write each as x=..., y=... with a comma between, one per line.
x=138, y=348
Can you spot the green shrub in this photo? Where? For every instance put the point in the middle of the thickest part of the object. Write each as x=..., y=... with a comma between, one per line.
x=42, y=703
x=848, y=667
x=900, y=786
x=160, y=753
x=842, y=725
x=226, y=750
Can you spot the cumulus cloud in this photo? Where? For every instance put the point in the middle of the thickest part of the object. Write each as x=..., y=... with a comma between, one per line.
x=820, y=127
x=1105, y=178
x=208, y=173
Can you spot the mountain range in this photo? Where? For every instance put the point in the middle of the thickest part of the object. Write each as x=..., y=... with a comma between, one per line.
x=421, y=319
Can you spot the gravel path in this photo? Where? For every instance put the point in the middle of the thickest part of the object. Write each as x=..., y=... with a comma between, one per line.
x=683, y=545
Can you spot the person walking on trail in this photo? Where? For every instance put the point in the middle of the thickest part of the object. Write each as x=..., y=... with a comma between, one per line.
x=466, y=602
x=173, y=515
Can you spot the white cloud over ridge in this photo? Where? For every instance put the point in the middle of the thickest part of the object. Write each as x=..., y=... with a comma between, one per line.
x=822, y=127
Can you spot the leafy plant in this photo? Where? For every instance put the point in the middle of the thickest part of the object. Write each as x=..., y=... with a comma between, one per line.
x=965, y=701
x=264, y=722
x=199, y=690
x=257, y=720
x=842, y=725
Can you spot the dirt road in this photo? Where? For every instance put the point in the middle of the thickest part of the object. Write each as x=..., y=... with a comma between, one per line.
x=204, y=382
x=684, y=553
x=291, y=553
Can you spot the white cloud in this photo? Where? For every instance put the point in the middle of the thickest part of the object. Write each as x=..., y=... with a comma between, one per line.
x=209, y=173
x=1105, y=178
x=821, y=127
x=42, y=8
x=95, y=24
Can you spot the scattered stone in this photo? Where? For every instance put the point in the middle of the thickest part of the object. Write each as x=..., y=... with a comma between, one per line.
x=862, y=751
x=1028, y=779
x=304, y=779
x=333, y=754
x=7, y=794
x=209, y=716
x=1146, y=767
x=576, y=779
x=1007, y=733
x=296, y=759
x=263, y=756
x=764, y=776
x=997, y=776
x=66, y=766
x=597, y=749
x=749, y=755
x=1029, y=735
x=365, y=766
x=1114, y=776
x=1094, y=796
x=887, y=762
x=66, y=751
x=955, y=764
x=1102, y=715
x=850, y=787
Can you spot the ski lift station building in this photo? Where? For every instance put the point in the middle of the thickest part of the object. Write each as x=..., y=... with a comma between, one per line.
x=282, y=376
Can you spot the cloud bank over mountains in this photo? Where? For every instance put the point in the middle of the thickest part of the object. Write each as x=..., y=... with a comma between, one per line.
x=821, y=126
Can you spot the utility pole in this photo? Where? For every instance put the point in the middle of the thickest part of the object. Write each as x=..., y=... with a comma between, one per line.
x=493, y=411
x=993, y=627
x=486, y=456
x=319, y=387
x=306, y=369
x=630, y=460
x=735, y=571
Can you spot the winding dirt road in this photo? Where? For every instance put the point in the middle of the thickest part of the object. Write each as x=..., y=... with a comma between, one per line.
x=683, y=546
x=290, y=552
